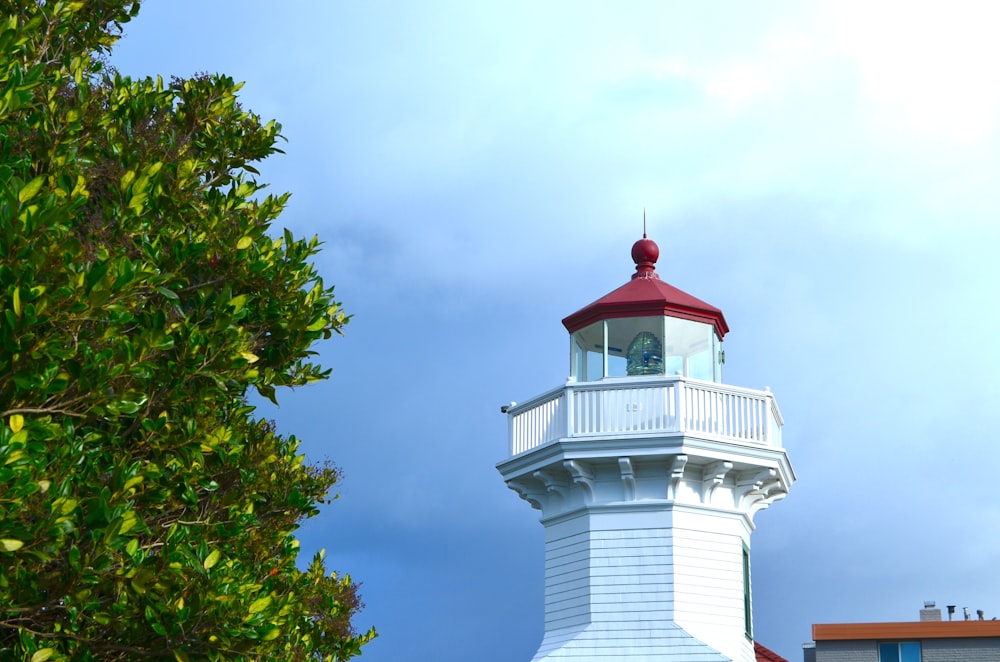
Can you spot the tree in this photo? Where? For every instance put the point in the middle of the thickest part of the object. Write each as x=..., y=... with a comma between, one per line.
x=144, y=510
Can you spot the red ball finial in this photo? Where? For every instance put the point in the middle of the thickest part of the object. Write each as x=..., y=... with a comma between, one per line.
x=645, y=253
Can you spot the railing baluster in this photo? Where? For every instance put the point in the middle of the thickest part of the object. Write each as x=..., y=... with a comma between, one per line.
x=748, y=433
x=740, y=420
x=758, y=427
x=726, y=426
x=678, y=403
x=613, y=410
x=589, y=421
x=748, y=405
x=716, y=414
x=769, y=430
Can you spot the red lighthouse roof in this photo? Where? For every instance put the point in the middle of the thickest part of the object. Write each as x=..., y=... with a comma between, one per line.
x=646, y=296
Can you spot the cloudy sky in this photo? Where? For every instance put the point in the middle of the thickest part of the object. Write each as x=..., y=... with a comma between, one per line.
x=826, y=173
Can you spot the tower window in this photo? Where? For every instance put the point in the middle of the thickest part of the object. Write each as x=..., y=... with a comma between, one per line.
x=747, y=614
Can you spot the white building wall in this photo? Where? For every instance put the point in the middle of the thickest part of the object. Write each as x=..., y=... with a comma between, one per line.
x=567, y=574
x=708, y=578
x=632, y=568
x=609, y=589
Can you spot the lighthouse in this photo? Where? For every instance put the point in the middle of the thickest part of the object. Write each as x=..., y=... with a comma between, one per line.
x=648, y=471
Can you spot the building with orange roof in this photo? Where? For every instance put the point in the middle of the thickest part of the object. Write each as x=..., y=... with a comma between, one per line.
x=930, y=639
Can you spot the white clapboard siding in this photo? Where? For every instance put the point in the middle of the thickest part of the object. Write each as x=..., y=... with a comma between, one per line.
x=708, y=584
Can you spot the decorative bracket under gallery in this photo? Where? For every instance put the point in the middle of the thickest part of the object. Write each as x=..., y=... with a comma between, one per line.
x=772, y=490
x=712, y=476
x=676, y=475
x=552, y=483
x=628, y=478
x=749, y=485
x=529, y=493
x=582, y=476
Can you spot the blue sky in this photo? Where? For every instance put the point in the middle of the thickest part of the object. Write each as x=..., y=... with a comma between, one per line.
x=826, y=173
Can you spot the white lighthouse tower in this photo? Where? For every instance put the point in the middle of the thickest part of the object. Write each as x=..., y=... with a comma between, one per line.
x=648, y=471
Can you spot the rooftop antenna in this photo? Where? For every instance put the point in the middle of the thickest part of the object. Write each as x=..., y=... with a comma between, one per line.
x=643, y=222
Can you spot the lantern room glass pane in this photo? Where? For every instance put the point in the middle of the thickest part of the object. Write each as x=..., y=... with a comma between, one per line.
x=588, y=353
x=691, y=348
x=700, y=366
x=638, y=346
x=635, y=346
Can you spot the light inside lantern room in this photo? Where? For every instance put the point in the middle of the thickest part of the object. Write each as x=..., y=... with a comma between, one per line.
x=653, y=345
x=644, y=355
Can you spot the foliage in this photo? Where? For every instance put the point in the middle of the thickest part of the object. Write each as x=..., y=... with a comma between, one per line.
x=144, y=511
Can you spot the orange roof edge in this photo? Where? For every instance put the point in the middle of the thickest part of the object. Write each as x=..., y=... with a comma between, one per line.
x=765, y=654
x=908, y=630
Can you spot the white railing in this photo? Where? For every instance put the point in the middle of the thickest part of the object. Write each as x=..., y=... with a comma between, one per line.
x=646, y=405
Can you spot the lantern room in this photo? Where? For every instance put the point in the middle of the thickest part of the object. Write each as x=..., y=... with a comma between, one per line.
x=646, y=327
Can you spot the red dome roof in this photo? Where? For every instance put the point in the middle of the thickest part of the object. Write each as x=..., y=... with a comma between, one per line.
x=646, y=296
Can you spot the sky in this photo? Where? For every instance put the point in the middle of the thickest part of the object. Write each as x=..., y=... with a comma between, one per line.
x=826, y=173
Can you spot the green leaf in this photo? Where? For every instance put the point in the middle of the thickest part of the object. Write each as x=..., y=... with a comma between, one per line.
x=129, y=520
x=80, y=188
x=138, y=201
x=10, y=545
x=237, y=303
x=170, y=294
x=43, y=654
x=186, y=168
x=64, y=505
x=31, y=189
x=267, y=391
x=212, y=559
x=260, y=604
x=127, y=407
x=244, y=242
x=16, y=422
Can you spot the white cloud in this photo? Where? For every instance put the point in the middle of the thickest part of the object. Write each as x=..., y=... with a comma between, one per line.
x=927, y=68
